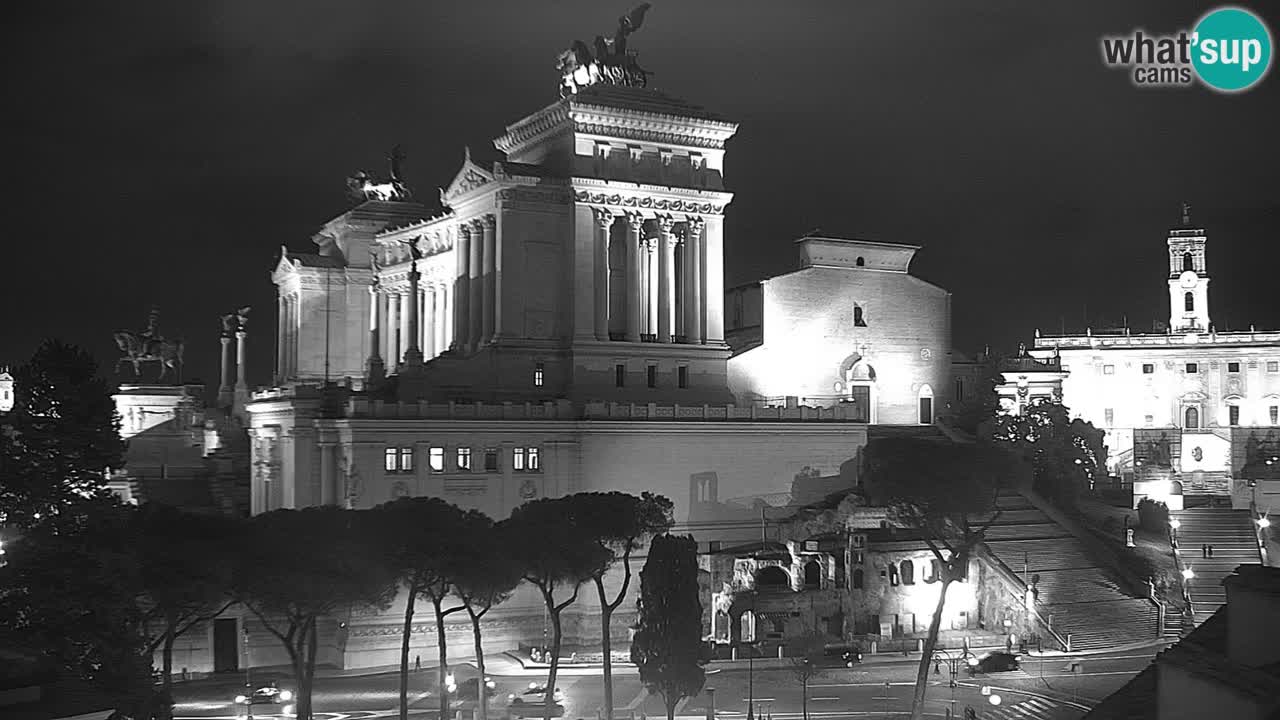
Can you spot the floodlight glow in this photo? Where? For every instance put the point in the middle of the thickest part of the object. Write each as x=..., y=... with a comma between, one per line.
x=240, y=699
x=1187, y=574
x=1175, y=523
x=1264, y=522
x=994, y=699
x=286, y=695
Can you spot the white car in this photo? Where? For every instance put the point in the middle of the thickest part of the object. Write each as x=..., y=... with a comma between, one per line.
x=268, y=695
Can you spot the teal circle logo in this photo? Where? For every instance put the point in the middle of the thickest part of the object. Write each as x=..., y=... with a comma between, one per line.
x=1231, y=49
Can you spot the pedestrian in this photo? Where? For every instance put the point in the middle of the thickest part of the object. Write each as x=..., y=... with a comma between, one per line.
x=1210, y=551
x=417, y=662
x=1204, y=551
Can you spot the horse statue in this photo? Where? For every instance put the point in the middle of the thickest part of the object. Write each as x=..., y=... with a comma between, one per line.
x=139, y=348
x=363, y=186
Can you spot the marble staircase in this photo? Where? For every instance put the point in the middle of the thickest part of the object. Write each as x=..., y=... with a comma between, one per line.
x=1075, y=594
x=1233, y=537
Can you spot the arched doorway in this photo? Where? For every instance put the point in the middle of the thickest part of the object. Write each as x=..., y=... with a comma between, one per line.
x=1192, y=418
x=812, y=574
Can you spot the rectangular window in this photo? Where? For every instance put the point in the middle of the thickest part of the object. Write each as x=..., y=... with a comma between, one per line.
x=533, y=459
x=538, y=374
x=682, y=376
x=390, y=459
x=490, y=460
x=651, y=375
x=1233, y=367
x=620, y=375
x=525, y=459
x=959, y=389
x=1192, y=368
x=517, y=459
x=1149, y=420
x=406, y=459
x=1110, y=415
x=464, y=458
x=1148, y=368
x=1273, y=366
x=1108, y=369
x=1274, y=412
x=436, y=459
x=1233, y=415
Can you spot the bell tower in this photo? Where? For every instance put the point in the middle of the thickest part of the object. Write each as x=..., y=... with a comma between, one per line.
x=1188, y=277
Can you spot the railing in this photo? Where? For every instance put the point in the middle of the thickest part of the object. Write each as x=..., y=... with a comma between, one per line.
x=360, y=407
x=1100, y=339
x=1012, y=578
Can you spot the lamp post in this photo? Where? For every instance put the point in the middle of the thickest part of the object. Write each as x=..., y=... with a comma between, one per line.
x=1174, y=524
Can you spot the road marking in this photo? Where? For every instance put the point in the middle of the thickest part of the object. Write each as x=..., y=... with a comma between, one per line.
x=820, y=699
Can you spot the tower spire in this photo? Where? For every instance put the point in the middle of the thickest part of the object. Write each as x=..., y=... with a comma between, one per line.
x=1186, y=214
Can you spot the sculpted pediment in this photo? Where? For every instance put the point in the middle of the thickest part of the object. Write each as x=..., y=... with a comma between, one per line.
x=469, y=177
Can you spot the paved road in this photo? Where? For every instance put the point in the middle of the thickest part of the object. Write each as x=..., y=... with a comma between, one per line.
x=1043, y=689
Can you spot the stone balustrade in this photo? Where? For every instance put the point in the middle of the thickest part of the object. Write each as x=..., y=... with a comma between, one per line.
x=1154, y=340
x=359, y=408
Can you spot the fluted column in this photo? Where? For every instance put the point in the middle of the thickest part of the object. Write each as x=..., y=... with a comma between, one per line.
x=635, y=224
x=604, y=221
x=462, y=288
x=282, y=321
x=651, y=287
x=666, y=278
x=242, y=357
x=413, y=351
x=224, y=388
x=376, y=369
x=693, y=257
x=489, y=284
x=446, y=316
x=393, y=327
x=475, y=303
x=429, y=322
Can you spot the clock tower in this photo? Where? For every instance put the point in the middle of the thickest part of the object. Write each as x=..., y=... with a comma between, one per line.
x=1188, y=277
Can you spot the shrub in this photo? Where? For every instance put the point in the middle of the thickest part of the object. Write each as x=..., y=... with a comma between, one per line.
x=1153, y=515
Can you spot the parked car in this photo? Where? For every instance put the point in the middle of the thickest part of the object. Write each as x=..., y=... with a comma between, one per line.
x=996, y=661
x=467, y=689
x=267, y=695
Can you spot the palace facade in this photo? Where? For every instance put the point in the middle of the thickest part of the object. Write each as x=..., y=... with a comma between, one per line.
x=1190, y=411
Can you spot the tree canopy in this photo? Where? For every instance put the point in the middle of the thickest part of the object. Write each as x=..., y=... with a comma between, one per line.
x=60, y=439
x=1066, y=456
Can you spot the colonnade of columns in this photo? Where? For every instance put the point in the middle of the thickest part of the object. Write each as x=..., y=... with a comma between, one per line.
x=393, y=323
x=659, y=307
x=476, y=315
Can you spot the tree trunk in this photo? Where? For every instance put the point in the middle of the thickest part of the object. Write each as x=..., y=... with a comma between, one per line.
x=309, y=669
x=672, y=701
x=804, y=697
x=404, y=651
x=297, y=654
x=481, y=688
x=550, y=699
x=444, y=657
x=930, y=641
x=167, y=686
x=606, y=644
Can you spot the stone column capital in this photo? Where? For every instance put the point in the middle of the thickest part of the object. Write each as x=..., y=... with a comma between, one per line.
x=604, y=217
x=666, y=224
x=695, y=223
x=488, y=222
x=464, y=230
x=636, y=221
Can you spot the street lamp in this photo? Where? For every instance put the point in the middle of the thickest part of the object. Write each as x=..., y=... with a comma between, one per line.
x=1263, y=523
x=1174, y=524
x=1188, y=573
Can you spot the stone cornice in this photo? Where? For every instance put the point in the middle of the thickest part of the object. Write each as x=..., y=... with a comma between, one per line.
x=550, y=119
x=650, y=127
x=657, y=198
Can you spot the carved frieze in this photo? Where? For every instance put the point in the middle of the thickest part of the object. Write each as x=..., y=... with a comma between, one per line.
x=649, y=203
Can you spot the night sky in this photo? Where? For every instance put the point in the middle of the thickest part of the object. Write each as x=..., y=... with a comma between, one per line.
x=162, y=152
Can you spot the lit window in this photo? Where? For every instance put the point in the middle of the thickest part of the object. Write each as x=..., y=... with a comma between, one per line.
x=682, y=376
x=1108, y=369
x=490, y=460
x=538, y=375
x=651, y=375
x=1233, y=367
x=893, y=575
x=517, y=459
x=389, y=459
x=436, y=458
x=620, y=375
x=406, y=459
x=1192, y=368
x=1148, y=368
x=464, y=458
x=1233, y=415
x=533, y=459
